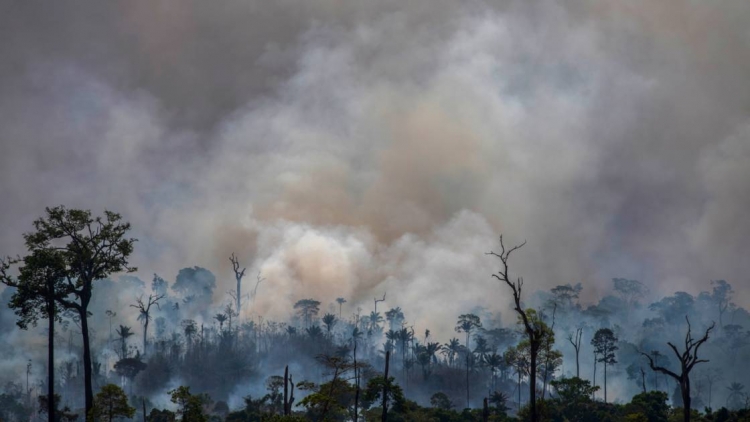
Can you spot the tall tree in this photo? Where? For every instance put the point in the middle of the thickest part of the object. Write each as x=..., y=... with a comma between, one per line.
x=307, y=309
x=466, y=324
x=92, y=248
x=238, y=275
x=39, y=286
x=722, y=296
x=144, y=313
x=329, y=320
x=535, y=329
x=688, y=359
x=340, y=301
x=605, y=345
x=575, y=340
x=124, y=333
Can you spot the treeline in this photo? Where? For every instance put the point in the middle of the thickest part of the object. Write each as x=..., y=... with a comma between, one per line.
x=678, y=358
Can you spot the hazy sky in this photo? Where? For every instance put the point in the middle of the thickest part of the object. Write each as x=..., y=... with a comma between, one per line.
x=351, y=147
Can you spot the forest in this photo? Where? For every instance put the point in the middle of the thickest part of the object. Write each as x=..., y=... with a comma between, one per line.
x=198, y=354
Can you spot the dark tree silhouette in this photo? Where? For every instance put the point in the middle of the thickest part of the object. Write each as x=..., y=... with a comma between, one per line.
x=329, y=320
x=238, y=275
x=688, y=359
x=605, y=345
x=466, y=324
x=340, y=301
x=534, y=329
x=124, y=333
x=575, y=340
x=144, y=313
x=91, y=248
x=39, y=287
x=307, y=309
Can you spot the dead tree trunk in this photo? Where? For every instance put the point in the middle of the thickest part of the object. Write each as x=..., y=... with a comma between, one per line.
x=576, y=342
x=238, y=274
x=688, y=359
x=534, y=330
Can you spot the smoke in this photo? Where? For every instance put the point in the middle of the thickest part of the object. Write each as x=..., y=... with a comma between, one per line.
x=349, y=149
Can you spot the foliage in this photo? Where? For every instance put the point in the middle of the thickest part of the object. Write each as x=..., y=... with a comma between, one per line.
x=189, y=406
x=110, y=404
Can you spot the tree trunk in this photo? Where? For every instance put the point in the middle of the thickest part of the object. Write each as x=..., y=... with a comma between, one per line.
x=286, y=389
x=145, y=334
x=532, y=382
x=88, y=387
x=384, y=418
x=605, y=381
x=685, y=390
x=594, y=393
x=467, y=378
x=519, y=389
x=51, y=359
x=578, y=366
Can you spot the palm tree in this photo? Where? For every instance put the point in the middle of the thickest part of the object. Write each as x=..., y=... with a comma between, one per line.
x=221, y=319
x=375, y=320
x=452, y=348
x=494, y=362
x=394, y=317
x=329, y=320
x=314, y=332
x=467, y=323
x=481, y=348
x=391, y=337
x=190, y=329
x=734, y=400
x=124, y=332
x=340, y=301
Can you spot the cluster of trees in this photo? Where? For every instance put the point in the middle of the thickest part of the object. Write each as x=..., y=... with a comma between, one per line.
x=365, y=366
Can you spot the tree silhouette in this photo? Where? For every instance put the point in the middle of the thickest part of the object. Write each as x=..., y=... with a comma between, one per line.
x=605, y=345
x=307, y=309
x=466, y=324
x=238, y=275
x=221, y=319
x=144, y=313
x=39, y=287
x=340, y=301
x=91, y=248
x=124, y=332
x=329, y=320
x=688, y=359
x=576, y=342
x=734, y=399
x=535, y=330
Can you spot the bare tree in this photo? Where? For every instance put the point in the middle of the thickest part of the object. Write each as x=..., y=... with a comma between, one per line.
x=378, y=300
x=145, y=313
x=534, y=329
x=688, y=359
x=576, y=342
x=258, y=279
x=238, y=275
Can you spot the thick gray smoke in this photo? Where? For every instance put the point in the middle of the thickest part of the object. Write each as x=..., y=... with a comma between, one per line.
x=349, y=148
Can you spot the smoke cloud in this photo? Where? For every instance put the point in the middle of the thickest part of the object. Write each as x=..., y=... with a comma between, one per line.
x=348, y=149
